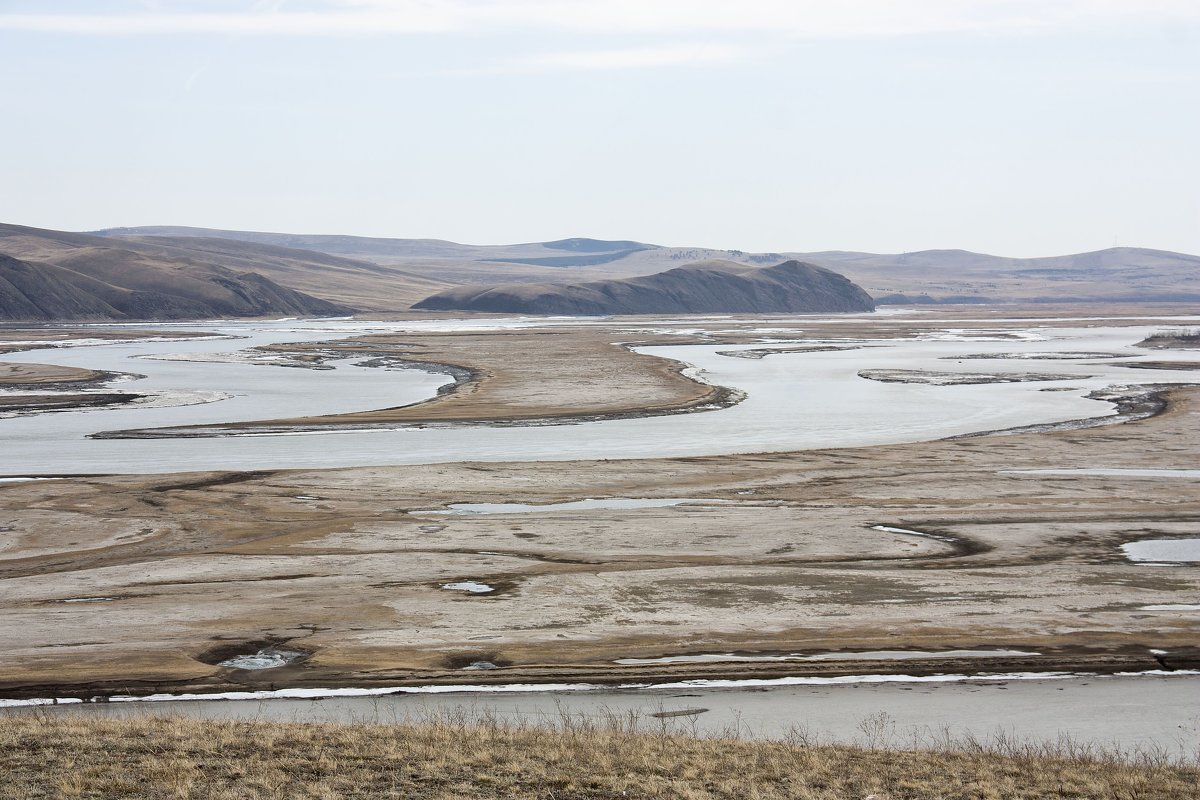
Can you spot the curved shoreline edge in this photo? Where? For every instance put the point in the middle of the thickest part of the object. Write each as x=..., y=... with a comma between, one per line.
x=717, y=397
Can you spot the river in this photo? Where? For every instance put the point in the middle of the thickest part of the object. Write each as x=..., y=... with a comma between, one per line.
x=794, y=401
x=1150, y=713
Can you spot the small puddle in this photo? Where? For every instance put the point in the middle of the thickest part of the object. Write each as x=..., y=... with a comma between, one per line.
x=1162, y=551
x=605, y=503
x=267, y=658
x=1110, y=472
x=469, y=586
x=872, y=655
x=86, y=600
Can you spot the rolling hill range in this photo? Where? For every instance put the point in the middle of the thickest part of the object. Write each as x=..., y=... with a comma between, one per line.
x=51, y=275
x=185, y=273
x=47, y=275
x=1116, y=274
x=706, y=287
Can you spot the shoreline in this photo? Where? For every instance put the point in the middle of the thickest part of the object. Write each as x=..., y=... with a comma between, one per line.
x=288, y=681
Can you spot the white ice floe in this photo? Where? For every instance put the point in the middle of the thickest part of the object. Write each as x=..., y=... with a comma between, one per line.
x=529, y=688
x=1109, y=472
x=172, y=399
x=907, y=532
x=268, y=658
x=39, y=701
x=590, y=504
x=469, y=586
x=1170, y=607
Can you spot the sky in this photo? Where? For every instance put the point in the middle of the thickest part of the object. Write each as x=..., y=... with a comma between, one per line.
x=1014, y=127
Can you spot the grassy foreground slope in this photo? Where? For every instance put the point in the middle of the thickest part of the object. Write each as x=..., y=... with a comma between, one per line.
x=64, y=756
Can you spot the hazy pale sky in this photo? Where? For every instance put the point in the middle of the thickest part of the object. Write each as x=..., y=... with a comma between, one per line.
x=1017, y=127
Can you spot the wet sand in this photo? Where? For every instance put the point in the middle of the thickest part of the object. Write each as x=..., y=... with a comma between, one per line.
x=504, y=376
x=37, y=374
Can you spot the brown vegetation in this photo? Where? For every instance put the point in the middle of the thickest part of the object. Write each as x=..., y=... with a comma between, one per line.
x=44, y=756
x=1173, y=340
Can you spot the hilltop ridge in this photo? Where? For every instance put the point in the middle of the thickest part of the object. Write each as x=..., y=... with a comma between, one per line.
x=705, y=287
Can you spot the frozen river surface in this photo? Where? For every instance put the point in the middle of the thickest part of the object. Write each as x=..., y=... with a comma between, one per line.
x=794, y=401
x=1147, y=712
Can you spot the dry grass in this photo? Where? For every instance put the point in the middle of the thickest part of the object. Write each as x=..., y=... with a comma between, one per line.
x=1173, y=338
x=49, y=755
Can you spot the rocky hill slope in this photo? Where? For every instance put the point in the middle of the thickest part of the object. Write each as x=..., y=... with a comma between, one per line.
x=706, y=287
x=52, y=275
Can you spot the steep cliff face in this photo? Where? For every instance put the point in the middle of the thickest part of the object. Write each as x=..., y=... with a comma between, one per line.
x=706, y=287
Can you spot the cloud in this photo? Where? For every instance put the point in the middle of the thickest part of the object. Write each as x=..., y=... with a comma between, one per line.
x=797, y=18
x=667, y=55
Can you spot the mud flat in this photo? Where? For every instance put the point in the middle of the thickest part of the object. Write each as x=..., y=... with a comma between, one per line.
x=40, y=374
x=127, y=583
x=38, y=388
x=933, y=547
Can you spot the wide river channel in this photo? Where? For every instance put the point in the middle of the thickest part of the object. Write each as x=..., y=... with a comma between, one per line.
x=794, y=401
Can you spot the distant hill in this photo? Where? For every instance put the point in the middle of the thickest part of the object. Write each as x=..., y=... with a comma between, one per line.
x=52, y=275
x=707, y=287
x=928, y=276
x=1117, y=274
x=346, y=281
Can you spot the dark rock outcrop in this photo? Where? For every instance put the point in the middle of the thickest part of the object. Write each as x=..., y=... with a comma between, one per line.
x=720, y=287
